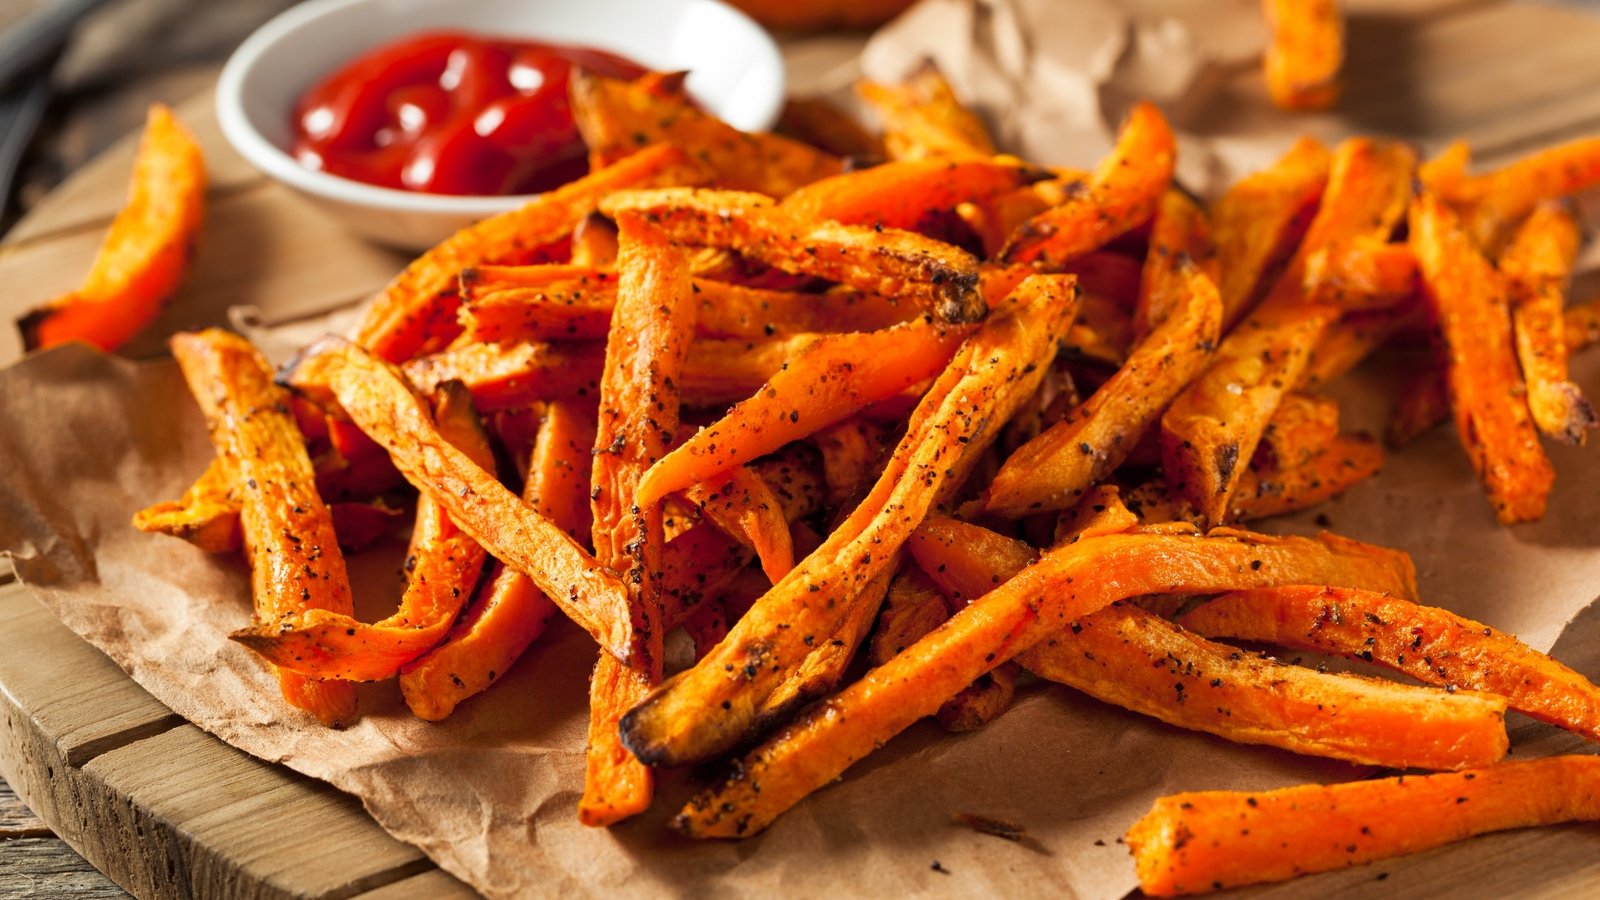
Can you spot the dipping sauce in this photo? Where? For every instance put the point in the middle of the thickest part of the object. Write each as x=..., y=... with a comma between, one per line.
x=447, y=112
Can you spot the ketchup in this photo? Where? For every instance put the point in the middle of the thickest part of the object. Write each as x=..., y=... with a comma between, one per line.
x=448, y=112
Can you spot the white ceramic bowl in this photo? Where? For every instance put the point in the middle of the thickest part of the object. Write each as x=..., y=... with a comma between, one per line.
x=735, y=71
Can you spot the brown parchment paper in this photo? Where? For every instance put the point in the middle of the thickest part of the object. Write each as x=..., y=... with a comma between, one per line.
x=490, y=794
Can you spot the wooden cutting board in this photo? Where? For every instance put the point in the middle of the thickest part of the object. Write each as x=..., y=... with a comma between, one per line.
x=168, y=811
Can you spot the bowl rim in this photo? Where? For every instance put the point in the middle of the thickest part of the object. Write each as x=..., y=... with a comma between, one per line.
x=277, y=163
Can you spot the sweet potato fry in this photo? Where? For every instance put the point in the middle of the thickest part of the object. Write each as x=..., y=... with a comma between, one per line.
x=1260, y=219
x=1304, y=53
x=1536, y=264
x=1042, y=600
x=416, y=313
x=833, y=378
x=740, y=503
x=507, y=375
x=617, y=117
x=697, y=566
x=558, y=302
x=1581, y=324
x=922, y=118
x=594, y=242
x=1498, y=200
x=1101, y=511
x=851, y=453
x=442, y=568
x=913, y=607
x=824, y=665
x=1354, y=337
x=907, y=194
x=941, y=278
x=1421, y=402
x=207, y=515
x=379, y=400
x=144, y=254
x=993, y=372
x=818, y=122
x=1344, y=461
x=1053, y=470
x=1122, y=194
x=982, y=701
x=1362, y=273
x=651, y=328
x=1133, y=659
x=1468, y=298
x=1430, y=644
x=511, y=613
x=1446, y=172
x=1211, y=430
x=1302, y=426
x=1203, y=841
x=1179, y=232
x=295, y=562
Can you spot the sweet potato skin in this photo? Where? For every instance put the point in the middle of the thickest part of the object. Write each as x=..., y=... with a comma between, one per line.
x=1203, y=841
x=1494, y=423
x=1430, y=644
x=145, y=253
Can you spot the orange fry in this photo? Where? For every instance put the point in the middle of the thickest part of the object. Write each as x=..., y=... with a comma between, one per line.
x=1180, y=232
x=1495, y=202
x=650, y=333
x=1209, y=840
x=909, y=194
x=923, y=118
x=380, y=401
x=1053, y=470
x=442, y=568
x=1430, y=644
x=207, y=515
x=1536, y=264
x=1467, y=296
x=416, y=313
x=1344, y=461
x=617, y=117
x=1260, y=220
x=511, y=613
x=1122, y=194
x=144, y=254
x=1305, y=52
x=941, y=278
x=1365, y=272
x=1065, y=585
x=295, y=562
x=992, y=373
x=559, y=302
x=833, y=378
x=1211, y=430
x=740, y=503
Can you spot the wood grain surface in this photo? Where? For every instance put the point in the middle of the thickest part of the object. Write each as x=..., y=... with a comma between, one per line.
x=168, y=811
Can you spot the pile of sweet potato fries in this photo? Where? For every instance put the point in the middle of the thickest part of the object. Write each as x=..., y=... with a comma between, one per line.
x=962, y=415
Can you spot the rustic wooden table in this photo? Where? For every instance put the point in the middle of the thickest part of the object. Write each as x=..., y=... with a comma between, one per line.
x=136, y=51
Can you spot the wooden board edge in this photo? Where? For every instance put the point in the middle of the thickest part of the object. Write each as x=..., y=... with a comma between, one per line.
x=145, y=854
